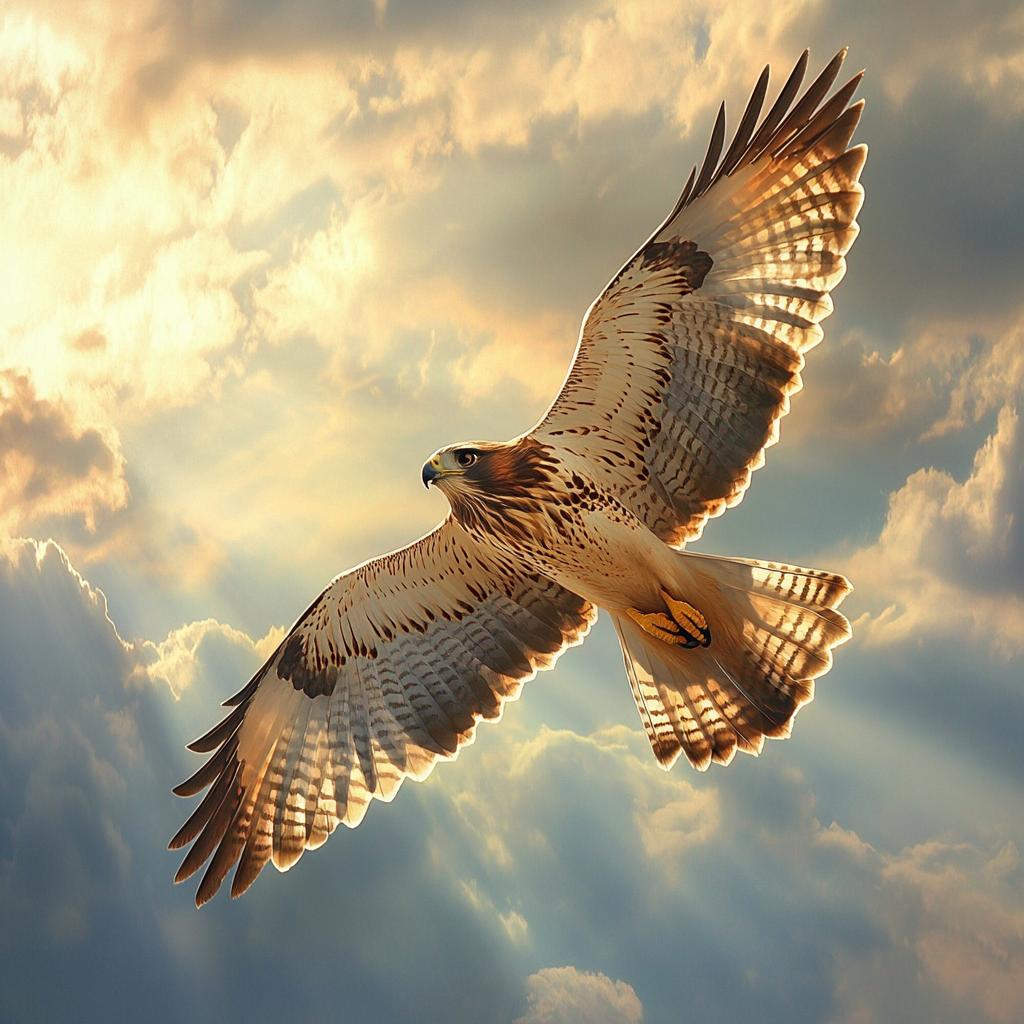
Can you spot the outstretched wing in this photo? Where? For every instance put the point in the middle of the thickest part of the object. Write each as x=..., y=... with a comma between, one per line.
x=387, y=673
x=686, y=361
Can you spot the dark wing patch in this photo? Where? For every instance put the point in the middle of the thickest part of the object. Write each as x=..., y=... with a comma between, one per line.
x=687, y=361
x=691, y=264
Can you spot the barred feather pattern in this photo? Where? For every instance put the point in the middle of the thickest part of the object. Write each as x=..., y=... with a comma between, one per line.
x=689, y=357
x=388, y=672
x=780, y=624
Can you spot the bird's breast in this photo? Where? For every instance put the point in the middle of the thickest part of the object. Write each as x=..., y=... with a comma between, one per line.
x=583, y=539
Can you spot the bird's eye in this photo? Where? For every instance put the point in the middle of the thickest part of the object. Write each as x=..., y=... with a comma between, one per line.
x=466, y=459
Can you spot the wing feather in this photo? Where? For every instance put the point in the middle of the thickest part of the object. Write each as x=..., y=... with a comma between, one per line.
x=746, y=129
x=707, y=169
x=387, y=672
x=689, y=357
x=774, y=117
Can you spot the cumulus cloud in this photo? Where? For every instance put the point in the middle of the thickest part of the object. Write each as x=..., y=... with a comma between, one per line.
x=40, y=572
x=971, y=939
x=949, y=559
x=933, y=930
x=864, y=394
x=174, y=660
x=90, y=745
x=669, y=815
x=62, y=799
x=954, y=914
x=61, y=476
x=564, y=995
x=990, y=381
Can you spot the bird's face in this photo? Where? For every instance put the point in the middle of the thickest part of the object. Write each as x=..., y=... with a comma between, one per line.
x=456, y=467
x=482, y=471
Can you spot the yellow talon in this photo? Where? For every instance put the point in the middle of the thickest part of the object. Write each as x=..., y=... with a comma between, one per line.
x=689, y=619
x=657, y=624
x=686, y=627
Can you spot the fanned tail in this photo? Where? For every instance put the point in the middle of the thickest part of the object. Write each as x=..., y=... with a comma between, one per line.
x=772, y=628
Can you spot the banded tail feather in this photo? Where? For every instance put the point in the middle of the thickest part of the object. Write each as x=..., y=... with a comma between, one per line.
x=773, y=628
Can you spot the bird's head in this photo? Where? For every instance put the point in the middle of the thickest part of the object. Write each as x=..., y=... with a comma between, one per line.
x=461, y=466
x=484, y=467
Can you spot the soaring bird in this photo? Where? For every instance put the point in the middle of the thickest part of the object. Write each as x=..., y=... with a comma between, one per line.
x=685, y=365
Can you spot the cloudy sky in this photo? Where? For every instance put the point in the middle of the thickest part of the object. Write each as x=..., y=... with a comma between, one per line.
x=259, y=259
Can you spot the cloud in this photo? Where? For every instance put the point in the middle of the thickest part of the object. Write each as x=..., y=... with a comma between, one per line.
x=950, y=560
x=946, y=374
x=990, y=381
x=563, y=995
x=62, y=800
x=971, y=938
x=145, y=310
x=531, y=849
x=39, y=573
x=61, y=477
x=290, y=248
x=54, y=885
x=479, y=55
x=504, y=808
x=50, y=466
x=934, y=213
x=932, y=931
x=90, y=745
x=979, y=42
x=393, y=328
x=174, y=660
x=955, y=917
x=242, y=187
x=178, y=210
x=943, y=378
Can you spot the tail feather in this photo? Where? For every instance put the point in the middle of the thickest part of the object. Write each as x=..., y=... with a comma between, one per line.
x=773, y=627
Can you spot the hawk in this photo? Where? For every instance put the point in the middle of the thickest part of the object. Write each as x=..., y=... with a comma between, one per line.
x=685, y=364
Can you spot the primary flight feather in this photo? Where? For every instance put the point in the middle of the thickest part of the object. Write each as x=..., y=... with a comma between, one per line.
x=684, y=367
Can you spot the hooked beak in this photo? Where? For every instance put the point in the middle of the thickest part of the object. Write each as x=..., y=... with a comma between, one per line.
x=430, y=474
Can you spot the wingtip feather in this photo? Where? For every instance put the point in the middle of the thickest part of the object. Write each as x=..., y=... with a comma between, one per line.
x=219, y=733
x=714, y=151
